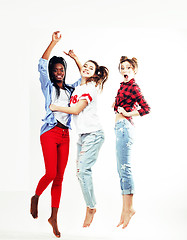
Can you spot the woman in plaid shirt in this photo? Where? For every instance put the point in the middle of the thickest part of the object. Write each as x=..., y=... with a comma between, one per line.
x=129, y=102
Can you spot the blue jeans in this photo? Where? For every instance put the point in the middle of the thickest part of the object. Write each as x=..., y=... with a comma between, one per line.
x=88, y=147
x=124, y=141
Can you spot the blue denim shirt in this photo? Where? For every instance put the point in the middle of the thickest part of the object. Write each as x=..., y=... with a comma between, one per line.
x=47, y=88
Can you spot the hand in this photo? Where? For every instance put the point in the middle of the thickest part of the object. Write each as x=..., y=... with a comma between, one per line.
x=56, y=37
x=122, y=111
x=53, y=107
x=71, y=54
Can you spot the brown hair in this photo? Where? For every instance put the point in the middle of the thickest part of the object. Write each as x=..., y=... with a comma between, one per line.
x=133, y=61
x=100, y=76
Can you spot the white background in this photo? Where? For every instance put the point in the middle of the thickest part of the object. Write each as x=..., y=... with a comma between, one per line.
x=155, y=32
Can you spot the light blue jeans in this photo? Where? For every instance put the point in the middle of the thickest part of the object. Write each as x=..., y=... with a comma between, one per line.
x=124, y=140
x=88, y=147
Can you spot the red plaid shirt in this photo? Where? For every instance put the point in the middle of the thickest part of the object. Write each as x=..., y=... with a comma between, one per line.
x=129, y=97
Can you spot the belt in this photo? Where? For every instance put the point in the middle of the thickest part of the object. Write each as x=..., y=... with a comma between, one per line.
x=60, y=125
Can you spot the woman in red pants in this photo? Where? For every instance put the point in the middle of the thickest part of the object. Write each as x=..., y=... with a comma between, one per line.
x=55, y=130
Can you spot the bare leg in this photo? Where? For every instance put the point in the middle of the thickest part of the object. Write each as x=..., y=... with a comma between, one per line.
x=127, y=210
x=53, y=221
x=89, y=216
x=34, y=206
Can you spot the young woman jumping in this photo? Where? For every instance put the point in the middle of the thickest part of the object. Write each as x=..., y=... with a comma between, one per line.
x=84, y=108
x=54, y=132
x=129, y=96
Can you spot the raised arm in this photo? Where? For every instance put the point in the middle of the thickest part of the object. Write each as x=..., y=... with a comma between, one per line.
x=55, y=39
x=75, y=58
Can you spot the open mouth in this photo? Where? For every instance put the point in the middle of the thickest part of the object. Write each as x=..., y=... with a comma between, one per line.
x=125, y=76
x=59, y=76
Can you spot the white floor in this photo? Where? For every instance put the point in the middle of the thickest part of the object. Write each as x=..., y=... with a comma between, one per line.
x=16, y=223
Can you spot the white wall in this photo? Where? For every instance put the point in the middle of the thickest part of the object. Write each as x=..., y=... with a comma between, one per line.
x=152, y=31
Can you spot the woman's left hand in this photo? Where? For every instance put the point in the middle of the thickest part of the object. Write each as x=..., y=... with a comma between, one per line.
x=122, y=111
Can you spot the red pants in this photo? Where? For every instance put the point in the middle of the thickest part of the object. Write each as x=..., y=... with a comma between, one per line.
x=55, y=147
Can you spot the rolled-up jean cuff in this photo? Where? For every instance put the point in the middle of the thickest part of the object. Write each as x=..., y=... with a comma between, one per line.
x=127, y=192
x=92, y=207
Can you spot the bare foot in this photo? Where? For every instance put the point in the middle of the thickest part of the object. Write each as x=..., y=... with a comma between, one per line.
x=126, y=217
x=34, y=206
x=53, y=223
x=89, y=217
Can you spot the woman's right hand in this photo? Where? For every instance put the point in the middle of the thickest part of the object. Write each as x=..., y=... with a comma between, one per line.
x=56, y=37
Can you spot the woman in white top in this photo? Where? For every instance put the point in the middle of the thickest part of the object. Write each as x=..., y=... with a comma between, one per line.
x=83, y=105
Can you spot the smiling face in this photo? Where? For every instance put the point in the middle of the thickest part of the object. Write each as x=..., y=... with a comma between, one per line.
x=127, y=71
x=88, y=70
x=58, y=72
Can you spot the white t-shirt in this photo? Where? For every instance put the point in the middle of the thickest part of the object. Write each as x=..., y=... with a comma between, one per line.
x=63, y=101
x=87, y=120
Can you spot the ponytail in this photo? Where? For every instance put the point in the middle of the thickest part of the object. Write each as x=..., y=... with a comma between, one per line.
x=123, y=59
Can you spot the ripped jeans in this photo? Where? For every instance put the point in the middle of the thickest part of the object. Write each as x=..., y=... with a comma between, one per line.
x=88, y=147
x=124, y=140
